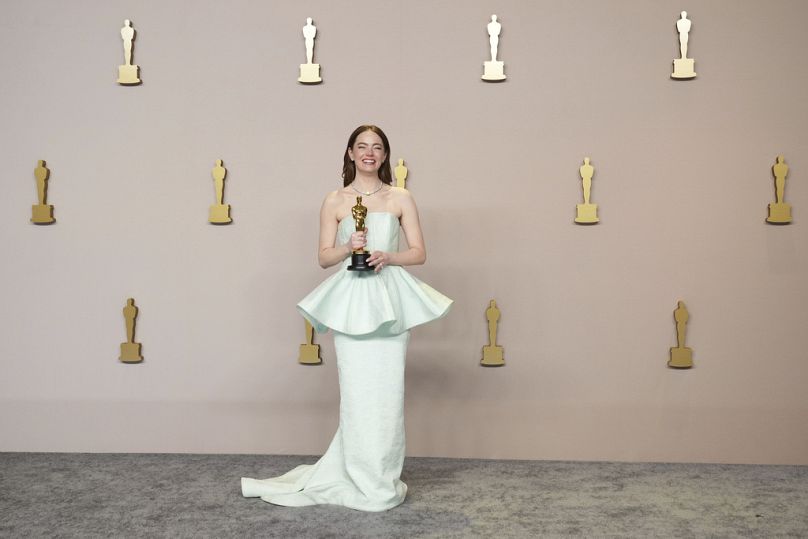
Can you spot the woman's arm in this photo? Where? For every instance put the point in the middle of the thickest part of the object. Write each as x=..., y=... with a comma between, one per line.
x=329, y=253
x=416, y=253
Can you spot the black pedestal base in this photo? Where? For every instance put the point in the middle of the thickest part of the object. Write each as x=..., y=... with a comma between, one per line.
x=359, y=262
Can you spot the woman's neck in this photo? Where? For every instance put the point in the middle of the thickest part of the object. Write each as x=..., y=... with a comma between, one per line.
x=366, y=182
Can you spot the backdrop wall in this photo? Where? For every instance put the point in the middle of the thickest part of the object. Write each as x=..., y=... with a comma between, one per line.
x=683, y=177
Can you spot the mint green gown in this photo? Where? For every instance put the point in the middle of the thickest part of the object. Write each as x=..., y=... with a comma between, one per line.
x=371, y=315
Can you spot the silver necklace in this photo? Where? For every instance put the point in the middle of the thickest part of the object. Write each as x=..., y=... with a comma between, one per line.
x=368, y=193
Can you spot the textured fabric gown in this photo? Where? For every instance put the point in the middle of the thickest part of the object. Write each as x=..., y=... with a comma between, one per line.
x=371, y=315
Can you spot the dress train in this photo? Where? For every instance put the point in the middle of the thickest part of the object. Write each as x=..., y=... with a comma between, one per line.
x=363, y=463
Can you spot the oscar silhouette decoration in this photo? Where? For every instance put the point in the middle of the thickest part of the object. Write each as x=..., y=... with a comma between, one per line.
x=309, y=352
x=401, y=174
x=494, y=70
x=493, y=355
x=586, y=213
x=683, y=68
x=42, y=213
x=219, y=213
x=128, y=73
x=130, y=350
x=681, y=356
x=309, y=72
x=779, y=211
x=359, y=257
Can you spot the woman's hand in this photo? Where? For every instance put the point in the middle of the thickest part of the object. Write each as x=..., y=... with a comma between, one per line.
x=358, y=240
x=379, y=259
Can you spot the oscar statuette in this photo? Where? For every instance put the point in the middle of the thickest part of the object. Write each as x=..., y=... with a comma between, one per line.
x=359, y=257
x=493, y=354
x=130, y=350
x=683, y=68
x=779, y=211
x=128, y=73
x=220, y=212
x=494, y=70
x=681, y=355
x=309, y=72
x=309, y=352
x=42, y=213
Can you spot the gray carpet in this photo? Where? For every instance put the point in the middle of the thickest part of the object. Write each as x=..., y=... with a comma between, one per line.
x=136, y=495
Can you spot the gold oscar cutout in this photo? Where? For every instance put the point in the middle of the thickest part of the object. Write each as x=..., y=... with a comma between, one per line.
x=128, y=73
x=309, y=352
x=779, y=211
x=587, y=214
x=494, y=70
x=130, y=350
x=681, y=356
x=683, y=68
x=219, y=213
x=309, y=72
x=493, y=355
x=401, y=174
x=42, y=213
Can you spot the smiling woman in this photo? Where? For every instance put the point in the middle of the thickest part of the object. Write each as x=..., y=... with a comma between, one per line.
x=371, y=314
x=373, y=148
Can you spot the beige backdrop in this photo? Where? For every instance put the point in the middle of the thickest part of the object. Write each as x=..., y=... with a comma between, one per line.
x=683, y=177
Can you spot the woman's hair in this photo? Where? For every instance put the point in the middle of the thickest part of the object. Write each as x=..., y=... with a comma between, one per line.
x=348, y=166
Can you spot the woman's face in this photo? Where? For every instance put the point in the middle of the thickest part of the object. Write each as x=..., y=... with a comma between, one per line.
x=367, y=152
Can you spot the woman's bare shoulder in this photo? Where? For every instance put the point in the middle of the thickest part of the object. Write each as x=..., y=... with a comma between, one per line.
x=399, y=194
x=402, y=199
x=332, y=203
x=334, y=198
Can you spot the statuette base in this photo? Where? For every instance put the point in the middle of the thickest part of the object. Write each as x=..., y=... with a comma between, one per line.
x=683, y=68
x=359, y=262
x=587, y=214
x=310, y=74
x=128, y=75
x=220, y=214
x=779, y=213
x=130, y=352
x=493, y=356
x=681, y=358
x=494, y=71
x=309, y=354
x=42, y=214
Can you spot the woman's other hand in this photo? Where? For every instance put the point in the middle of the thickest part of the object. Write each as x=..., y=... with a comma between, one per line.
x=379, y=259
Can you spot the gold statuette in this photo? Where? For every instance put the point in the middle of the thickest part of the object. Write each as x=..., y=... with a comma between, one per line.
x=493, y=355
x=779, y=211
x=309, y=352
x=401, y=174
x=130, y=350
x=681, y=356
x=683, y=68
x=359, y=258
x=494, y=70
x=42, y=213
x=587, y=214
x=128, y=73
x=219, y=213
x=309, y=72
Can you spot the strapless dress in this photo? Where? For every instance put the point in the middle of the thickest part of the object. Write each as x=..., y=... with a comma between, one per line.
x=370, y=314
x=361, y=303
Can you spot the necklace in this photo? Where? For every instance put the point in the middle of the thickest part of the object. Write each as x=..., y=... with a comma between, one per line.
x=368, y=193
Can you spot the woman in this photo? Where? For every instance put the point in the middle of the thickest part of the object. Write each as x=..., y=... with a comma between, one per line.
x=371, y=314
